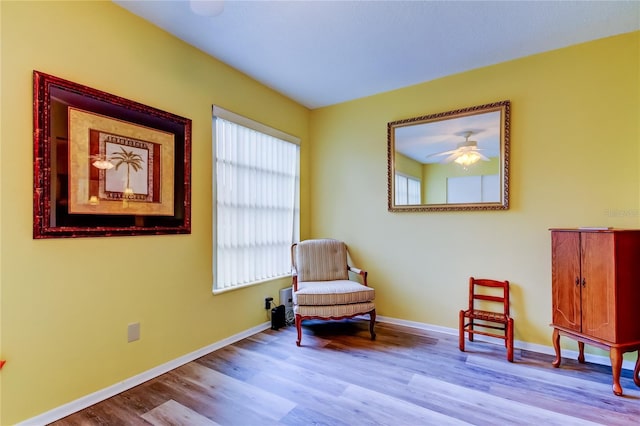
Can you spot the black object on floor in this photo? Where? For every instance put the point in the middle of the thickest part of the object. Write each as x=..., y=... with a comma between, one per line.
x=277, y=317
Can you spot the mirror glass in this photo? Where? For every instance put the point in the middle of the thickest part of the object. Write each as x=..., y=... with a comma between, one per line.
x=455, y=160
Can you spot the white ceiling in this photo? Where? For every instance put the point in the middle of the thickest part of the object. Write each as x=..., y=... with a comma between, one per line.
x=321, y=53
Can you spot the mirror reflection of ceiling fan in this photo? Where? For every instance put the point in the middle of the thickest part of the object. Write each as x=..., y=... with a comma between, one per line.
x=465, y=154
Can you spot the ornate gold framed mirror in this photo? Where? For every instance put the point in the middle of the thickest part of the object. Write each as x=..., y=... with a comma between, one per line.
x=454, y=160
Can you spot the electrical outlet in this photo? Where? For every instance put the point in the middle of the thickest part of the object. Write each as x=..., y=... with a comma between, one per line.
x=133, y=332
x=267, y=302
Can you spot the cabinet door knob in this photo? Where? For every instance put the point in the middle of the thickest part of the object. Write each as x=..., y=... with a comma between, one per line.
x=584, y=282
x=577, y=280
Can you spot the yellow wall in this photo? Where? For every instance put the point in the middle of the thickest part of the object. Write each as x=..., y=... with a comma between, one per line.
x=575, y=115
x=65, y=303
x=407, y=166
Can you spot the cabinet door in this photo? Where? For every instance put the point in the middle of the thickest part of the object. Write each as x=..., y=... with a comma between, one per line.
x=598, y=287
x=565, y=269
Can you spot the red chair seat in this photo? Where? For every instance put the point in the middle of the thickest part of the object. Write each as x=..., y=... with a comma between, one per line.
x=486, y=316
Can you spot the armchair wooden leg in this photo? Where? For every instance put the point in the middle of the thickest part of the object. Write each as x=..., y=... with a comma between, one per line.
x=299, y=328
x=372, y=322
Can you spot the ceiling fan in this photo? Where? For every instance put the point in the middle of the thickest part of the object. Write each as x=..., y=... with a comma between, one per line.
x=465, y=154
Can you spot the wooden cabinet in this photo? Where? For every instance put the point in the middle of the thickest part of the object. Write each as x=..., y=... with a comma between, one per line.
x=596, y=293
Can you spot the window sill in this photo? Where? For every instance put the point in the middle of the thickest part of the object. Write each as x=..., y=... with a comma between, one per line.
x=239, y=287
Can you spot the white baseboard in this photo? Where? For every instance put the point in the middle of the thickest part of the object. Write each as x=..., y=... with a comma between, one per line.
x=101, y=395
x=547, y=350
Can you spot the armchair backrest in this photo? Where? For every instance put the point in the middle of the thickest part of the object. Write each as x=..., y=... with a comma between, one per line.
x=320, y=260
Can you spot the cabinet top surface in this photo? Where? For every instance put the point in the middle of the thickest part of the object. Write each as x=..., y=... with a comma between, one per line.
x=593, y=229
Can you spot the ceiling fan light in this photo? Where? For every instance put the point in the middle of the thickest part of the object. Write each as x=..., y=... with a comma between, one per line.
x=467, y=158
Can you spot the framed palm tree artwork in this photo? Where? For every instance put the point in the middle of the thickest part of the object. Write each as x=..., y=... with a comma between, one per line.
x=119, y=168
x=105, y=165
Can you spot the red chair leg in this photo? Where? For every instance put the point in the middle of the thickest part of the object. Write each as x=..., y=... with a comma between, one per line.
x=461, y=332
x=299, y=328
x=510, y=340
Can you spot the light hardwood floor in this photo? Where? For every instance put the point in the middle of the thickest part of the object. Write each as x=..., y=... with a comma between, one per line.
x=340, y=377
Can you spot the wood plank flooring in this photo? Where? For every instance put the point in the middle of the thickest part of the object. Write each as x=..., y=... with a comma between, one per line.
x=340, y=377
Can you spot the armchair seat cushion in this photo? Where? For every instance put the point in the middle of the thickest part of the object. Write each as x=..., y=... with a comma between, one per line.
x=326, y=293
x=334, y=311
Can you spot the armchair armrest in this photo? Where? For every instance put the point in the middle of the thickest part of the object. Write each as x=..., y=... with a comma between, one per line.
x=360, y=272
x=294, y=278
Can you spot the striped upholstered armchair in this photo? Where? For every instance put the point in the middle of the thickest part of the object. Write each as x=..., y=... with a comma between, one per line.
x=321, y=285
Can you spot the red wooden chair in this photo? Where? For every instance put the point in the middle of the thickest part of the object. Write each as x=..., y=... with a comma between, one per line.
x=488, y=310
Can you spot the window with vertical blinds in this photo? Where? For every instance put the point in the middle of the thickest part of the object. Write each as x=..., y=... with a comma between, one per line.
x=407, y=190
x=256, y=194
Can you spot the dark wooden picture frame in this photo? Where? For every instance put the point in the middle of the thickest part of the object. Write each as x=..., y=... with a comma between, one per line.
x=57, y=155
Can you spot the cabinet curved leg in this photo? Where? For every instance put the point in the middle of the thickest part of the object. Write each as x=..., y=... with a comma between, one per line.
x=616, y=366
x=636, y=371
x=556, y=345
x=581, y=352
